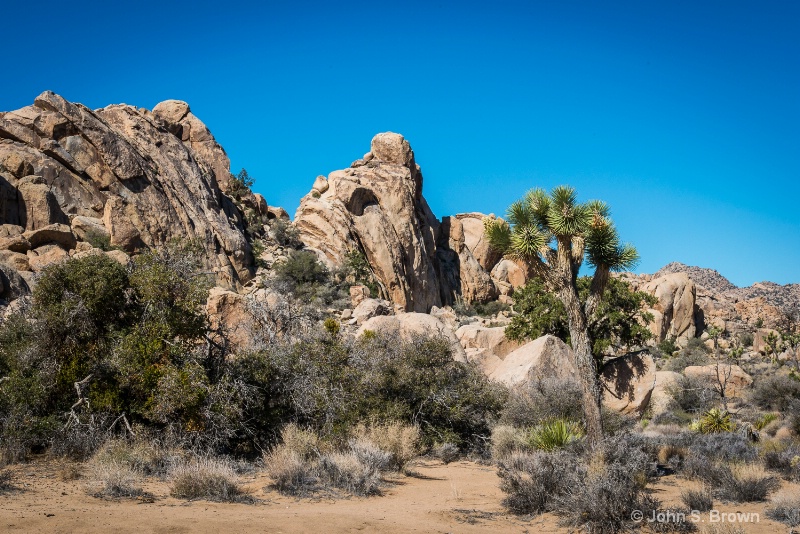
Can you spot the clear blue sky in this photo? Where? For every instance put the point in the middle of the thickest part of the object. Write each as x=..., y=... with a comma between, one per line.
x=683, y=115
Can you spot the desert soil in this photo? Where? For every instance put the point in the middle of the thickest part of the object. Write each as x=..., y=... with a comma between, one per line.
x=459, y=497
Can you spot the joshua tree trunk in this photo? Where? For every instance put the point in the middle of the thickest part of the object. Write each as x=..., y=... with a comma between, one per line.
x=585, y=362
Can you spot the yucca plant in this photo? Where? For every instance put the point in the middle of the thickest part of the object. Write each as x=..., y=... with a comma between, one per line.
x=554, y=434
x=714, y=421
x=765, y=420
x=552, y=233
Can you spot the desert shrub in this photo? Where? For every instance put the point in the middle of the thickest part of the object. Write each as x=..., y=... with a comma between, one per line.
x=506, y=440
x=213, y=479
x=542, y=400
x=487, y=309
x=793, y=416
x=785, y=509
x=285, y=233
x=370, y=454
x=764, y=421
x=745, y=483
x=775, y=392
x=445, y=452
x=144, y=456
x=532, y=481
x=400, y=441
x=723, y=446
x=555, y=434
x=6, y=481
x=701, y=499
x=302, y=267
x=784, y=459
x=694, y=353
x=114, y=480
x=609, y=488
x=332, y=384
x=290, y=473
x=347, y=471
x=668, y=346
x=692, y=394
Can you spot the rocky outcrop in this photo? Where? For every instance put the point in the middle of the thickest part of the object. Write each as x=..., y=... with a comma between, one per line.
x=377, y=207
x=674, y=313
x=486, y=346
x=545, y=357
x=133, y=178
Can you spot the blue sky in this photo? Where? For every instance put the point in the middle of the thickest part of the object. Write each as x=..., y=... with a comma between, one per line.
x=684, y=116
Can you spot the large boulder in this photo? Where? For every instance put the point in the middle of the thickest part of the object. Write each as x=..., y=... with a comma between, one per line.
x=628, y=383
x=486, y=346
x=674, y=313
x=141, y=178
x=369, y=308
x=545, y=357
x=406, y=325
x=661, y=400
x=509, y=275
x=735, y=379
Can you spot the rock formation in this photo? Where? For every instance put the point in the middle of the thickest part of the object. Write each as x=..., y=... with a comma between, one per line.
x=376, y=207
x=121, y=175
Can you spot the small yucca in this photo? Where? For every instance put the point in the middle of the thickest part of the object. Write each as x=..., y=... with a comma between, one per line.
x=713, y=421
x=554, y=434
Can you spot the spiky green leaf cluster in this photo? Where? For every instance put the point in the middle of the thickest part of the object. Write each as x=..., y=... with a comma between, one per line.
x=539, y=218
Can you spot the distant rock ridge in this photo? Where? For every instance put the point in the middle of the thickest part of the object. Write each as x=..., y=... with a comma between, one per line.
x=764, y=302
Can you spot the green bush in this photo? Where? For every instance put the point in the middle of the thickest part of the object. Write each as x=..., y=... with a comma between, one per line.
x=775, y=392
x=555, y=434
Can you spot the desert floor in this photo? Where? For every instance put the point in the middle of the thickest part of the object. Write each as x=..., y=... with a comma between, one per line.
x=459, y=497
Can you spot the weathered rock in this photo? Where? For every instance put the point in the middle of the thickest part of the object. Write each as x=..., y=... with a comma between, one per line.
x=735, y=379
x=357, y=294
x=407, y=325
x=674, y=312
x=228, y=312
x=379, y=209
x=320, y=185
x=45, y=255
x=509, y=275
x=12, y=285
x=446, y=315
x=369, y=308
x=90, y=228
x=628, y=383
x=661, y=400
x=760, y=339
x=150, y=177
x=462, y=274
x=60, y=234
x=275, y=212
x=17, y=243
x=119, y=256
x=10, y=230
x=545, y=357
x=14, y=260
x=487, y=347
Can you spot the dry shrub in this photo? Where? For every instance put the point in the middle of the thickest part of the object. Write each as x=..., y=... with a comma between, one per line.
x=401, y=441
x=507, y=440
x=446, y=452
x=745, y=483
x=671, y=454
x=69, y=472
x=141, y=456
x=698, y=499
x=291, y=474
x=533, y=481
x=113, y=479
x=6, y=481
x=213, y=479
x=305, y=443
x=346, y=471
x=785, y=508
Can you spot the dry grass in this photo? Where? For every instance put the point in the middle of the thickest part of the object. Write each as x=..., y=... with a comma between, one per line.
x=113, y=480
x=785, y=508
x=700, y=499
x=69, y=472
x=212, y=479
x=291, y=473
x=507, y=440
x=6, y=481
x=143, y=457
x=746, y=483
x=400, y=441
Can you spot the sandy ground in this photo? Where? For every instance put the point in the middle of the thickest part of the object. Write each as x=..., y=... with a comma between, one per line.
x=459, y=497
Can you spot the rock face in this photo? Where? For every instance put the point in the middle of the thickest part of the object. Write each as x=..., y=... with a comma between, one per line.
x=376, y=207
x=123, y=174
x=544, y=357
x=674, y=312
x=629, y=383
x=485, y=346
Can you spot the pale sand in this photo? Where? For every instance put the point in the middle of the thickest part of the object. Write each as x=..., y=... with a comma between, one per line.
x=460, y=497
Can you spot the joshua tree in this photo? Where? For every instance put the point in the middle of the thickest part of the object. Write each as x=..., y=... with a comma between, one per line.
x=553, y=234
